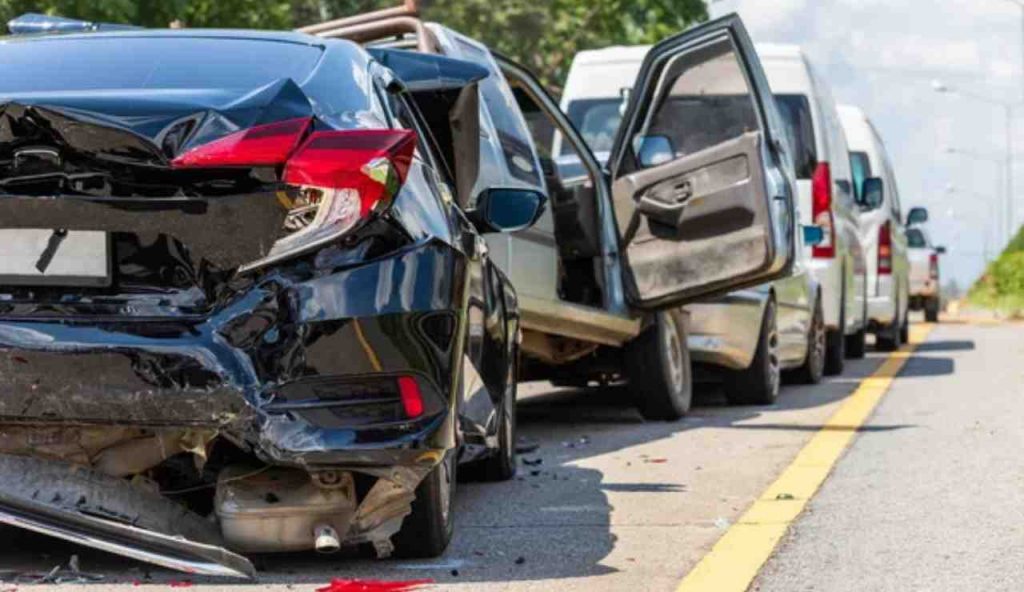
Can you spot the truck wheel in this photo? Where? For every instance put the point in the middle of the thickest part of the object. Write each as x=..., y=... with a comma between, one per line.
x=427, y=531
x=835, y=344
x=759, y=383
x=931, y=310
x=658, y=369
x=814, y=364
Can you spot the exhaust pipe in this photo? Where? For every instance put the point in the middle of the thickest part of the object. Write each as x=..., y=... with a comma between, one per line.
x=327, y=540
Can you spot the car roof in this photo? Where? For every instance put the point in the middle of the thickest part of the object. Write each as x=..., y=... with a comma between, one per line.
x=249, y=34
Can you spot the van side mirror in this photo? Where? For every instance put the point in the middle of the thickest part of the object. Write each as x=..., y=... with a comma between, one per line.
x=873, y=192
x=507, y=210
x=654, y=150
x=940, y=250
x=917, y=215
x=813, y=235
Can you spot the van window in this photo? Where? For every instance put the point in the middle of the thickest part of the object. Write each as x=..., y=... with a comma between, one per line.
x=513, y=135
x=915, y=239
x=597, y=120
x=796, y=112
x=860, y=166
x=705, y=100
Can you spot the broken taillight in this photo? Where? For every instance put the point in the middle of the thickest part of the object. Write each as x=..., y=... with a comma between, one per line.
x=412, y=398
x=339, y=176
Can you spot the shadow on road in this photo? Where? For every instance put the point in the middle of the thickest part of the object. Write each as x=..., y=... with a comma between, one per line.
x=948, y=346
x=554, y=520
x=926, y=367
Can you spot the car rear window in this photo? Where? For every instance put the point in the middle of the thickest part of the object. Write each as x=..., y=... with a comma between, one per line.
x=915, y=239
x=173, y=62
x=796, y=112
x=597, y=120
x=860, y=169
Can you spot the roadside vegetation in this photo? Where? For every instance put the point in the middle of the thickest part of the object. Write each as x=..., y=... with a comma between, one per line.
x=1002, y=286
x=544, y=36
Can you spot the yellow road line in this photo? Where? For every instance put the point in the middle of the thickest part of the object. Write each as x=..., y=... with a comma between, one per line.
x=737, y=557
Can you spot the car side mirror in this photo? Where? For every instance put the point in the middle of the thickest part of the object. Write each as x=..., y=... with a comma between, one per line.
x=813, y=235
x=917, y=215
x=940, y=250
x=873, y=192
x=654, y=150
x=507, y=209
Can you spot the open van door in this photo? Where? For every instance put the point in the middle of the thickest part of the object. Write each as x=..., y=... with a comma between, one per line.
x=703, y=200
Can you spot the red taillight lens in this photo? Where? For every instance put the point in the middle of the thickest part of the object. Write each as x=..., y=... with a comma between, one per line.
x=885, y=249
x=933, y=266
x=263, y=145
x=821, y=211
x=372, y=162
x=412, y=398
x=339, y=176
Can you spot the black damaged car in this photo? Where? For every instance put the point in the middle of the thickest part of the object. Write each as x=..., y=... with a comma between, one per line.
x=243, y=306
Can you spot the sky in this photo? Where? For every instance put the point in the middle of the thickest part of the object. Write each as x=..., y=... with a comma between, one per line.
x=947, y=148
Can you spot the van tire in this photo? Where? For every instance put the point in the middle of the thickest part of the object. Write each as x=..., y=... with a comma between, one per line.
x=888, y=339
x=931, y=310
x=835, y=344
x=658, y=368
x=758, y=384
x=427, y=531
x=813, y=368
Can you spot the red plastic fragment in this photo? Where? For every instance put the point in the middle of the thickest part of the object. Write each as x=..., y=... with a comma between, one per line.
x=181, y=584
x=338, y=585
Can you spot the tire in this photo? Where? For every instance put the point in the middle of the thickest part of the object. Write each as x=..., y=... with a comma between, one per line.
x=501, y=466
x=905, y=328
x=856, y=344
x=427, y=531
x=759, y=383
x=813, y=367
x=931, y=310
x=658, y=369
x=889, y=339
x=835, y=344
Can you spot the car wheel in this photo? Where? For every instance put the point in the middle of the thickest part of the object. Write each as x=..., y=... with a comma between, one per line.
x=501, y=465
x=759, y=383
x=658, y=368
x=813, y=367
x=931, y=310
x=427, y=531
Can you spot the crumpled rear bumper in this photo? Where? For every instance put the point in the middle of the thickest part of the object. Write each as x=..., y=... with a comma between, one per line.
x=288, y=367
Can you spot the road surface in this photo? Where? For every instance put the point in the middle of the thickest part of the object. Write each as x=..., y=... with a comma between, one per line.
x=929, y=496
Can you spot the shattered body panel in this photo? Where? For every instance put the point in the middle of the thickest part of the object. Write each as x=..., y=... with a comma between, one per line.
x=190, y=360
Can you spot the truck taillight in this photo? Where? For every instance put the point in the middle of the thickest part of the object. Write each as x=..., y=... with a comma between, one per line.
x=885, y=249
x=821, y=211
x=933, y=266
x=337, y=177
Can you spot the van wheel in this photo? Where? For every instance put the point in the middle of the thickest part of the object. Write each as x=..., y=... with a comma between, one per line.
x=856, y=344
x=427, y=531
x=835, y=345
x=813, y=367
x=931, y=310
x=889, y=339
x=658, y=369
x=759, y=384
x=905, y=328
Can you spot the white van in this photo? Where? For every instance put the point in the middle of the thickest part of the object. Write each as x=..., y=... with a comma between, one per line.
x=882, y=231
x=827, y=196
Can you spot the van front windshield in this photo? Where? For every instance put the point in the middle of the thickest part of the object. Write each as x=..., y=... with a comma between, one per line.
x=597, y=120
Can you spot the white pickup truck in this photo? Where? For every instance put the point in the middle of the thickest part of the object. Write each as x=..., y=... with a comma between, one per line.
x=924, y=272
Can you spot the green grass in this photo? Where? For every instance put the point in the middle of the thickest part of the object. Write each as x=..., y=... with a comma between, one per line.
x=1002, y=285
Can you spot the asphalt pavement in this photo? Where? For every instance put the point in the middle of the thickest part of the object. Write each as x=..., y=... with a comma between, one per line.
x=931, y=490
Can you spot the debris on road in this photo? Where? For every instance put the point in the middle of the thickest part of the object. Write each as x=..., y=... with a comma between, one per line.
x=340, y=585
x=533, y=462
x=526, y=445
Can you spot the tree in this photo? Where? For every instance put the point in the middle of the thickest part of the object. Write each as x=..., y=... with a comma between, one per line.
x=543, y=35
